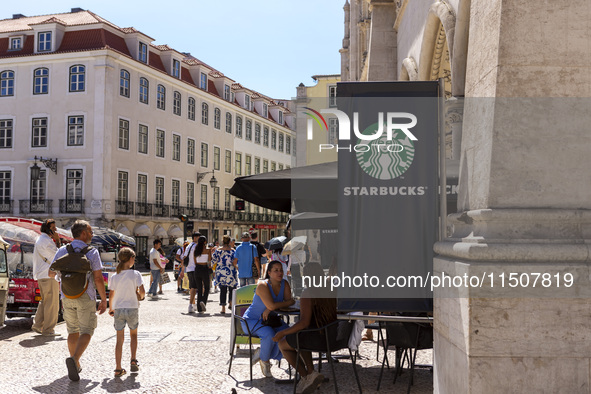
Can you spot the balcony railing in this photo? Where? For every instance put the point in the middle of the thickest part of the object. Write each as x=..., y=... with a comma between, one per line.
x=35, y=206
x=5, y=206
x=123, y=207
x=72, y=206
x=161, y=210
x=143, y=209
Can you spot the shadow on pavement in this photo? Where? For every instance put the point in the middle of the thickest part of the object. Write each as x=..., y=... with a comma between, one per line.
x=65, y=385
x=13, y=327
x=39, y=340
x=120, y=384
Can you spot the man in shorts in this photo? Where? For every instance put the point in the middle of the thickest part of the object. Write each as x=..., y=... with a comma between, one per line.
x=80, y=313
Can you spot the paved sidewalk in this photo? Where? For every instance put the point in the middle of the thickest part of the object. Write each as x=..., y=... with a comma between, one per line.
x=178, y=353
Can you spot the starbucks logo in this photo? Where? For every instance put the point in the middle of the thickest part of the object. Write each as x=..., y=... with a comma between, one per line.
x=383, y=158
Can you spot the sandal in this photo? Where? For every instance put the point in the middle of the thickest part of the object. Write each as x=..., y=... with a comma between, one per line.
x=120, y=372
x=135, y=366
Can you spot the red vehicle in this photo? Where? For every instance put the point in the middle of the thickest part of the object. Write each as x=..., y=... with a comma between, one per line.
x=23, y=297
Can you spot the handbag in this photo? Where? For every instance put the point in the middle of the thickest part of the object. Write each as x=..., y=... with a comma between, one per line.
x=255, y=271
x=273, y=320
x=165, y=278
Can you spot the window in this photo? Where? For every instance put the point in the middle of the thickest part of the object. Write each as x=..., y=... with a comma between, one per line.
x=203, y=82
x=74, y=185
x=239, y=126
x=7, y=83
x=227, y=91
x=288, y=145
x=257, y=165
x=176, y=103
x=16, y=43
x=280, y=166
x=280, y=117
x=228, y=123
x=265, y=166
x=257, y=133
x=204, y=113
x=176, y=147
x=38, y=188
x=280, y=147
x=41, y=81
x=143, y=53
x=228, y=161
x=176, y=69
x=144, y=90
x=5, y=133
x=175, y=193
x=190, y=194
x=247, y=165
x=142, y=140
x=142, y=188
x=247, y=102
x=204, y=154
x=216, y=198
x=191, y=108
x=238, y=164
x=216, y=158
x=332, y=96
x=159, y=191
x=333, y=130
x=77, y=74
x=44, y=41
x=124, y=83
x=161, y=97
x=273, y=139
x=75, y=130
x=217, y=114
x=191, y=151
x=266, y=136
x=248, y=134
x=273, y=166
x=160, y=143
x=227, y=199
x=265, y=110
x=122, y=185
x=123, y=134
x=203, y=196
x=39, y=133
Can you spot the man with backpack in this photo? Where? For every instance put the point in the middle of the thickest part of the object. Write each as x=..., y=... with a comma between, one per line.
x=80, y=273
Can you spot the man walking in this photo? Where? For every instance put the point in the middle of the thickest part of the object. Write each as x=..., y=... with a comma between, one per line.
x=155, y=269
x=45, y=249
x=246, y=254
x=190, y=270
x=80, y=313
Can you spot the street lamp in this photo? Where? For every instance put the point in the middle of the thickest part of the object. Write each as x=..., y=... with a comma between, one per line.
x=36, y=170
x=213, y=182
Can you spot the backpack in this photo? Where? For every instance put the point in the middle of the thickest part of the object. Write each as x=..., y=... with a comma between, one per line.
x=74, y=268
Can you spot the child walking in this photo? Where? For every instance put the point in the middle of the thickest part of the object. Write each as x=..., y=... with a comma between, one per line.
x=126, y=289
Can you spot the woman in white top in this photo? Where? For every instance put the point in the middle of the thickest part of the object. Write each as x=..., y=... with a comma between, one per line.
x=126, y=289
x=202, y=256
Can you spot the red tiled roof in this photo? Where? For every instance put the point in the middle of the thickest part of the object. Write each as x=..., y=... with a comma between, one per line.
x=186, y=76
x=53, y=19
x=211, y=88
x=156, y=61
x=27, y=49
x=116, y=42
x=216, y=74
x=129, y=30
x=162, y=47
x=93, y=39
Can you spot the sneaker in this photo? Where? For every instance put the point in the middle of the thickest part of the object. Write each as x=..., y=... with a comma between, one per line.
x=191, y=308
x=313, y=379
x=302, y=384
x=266, y=368
x=202, y=305
x=38, y=331
x=256, y=357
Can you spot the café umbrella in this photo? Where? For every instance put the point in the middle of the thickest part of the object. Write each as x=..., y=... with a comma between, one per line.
x=275, y=243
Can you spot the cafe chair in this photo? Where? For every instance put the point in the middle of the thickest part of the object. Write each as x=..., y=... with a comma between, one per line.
x=407, y=338
x=336, y=335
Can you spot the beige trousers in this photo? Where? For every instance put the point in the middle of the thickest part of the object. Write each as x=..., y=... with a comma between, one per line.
x=46, y=316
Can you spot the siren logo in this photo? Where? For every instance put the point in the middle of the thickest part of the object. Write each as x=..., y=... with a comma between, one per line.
x=381, y=156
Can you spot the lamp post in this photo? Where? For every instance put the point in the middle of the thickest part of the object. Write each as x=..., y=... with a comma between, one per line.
x=36, y=170
x=213, y=182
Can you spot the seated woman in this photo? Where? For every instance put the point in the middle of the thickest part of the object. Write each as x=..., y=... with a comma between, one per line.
x=316, y=310
x=271, y=294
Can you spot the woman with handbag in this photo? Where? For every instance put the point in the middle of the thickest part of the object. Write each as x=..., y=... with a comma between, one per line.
x=271, y=294
x=225, y=273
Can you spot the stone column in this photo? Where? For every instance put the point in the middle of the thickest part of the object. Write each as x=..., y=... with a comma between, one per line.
x=524, y=203
x=382, y=59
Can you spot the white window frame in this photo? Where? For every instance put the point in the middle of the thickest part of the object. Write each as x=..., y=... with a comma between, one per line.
x=190, y=151
x=75, y=136
x=160, y=143
x=143, y=139
x=41, y=81
x=44, y=39
x=176, y=147
x=123, y=135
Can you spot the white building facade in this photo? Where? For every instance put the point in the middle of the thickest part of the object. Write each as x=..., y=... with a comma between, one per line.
x=138, y=131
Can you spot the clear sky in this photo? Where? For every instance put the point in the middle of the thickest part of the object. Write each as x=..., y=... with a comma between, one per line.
x=266, y=45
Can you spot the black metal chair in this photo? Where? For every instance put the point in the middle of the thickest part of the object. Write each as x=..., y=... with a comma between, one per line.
x=336, y=335
x=237, y=313
x=407, y=338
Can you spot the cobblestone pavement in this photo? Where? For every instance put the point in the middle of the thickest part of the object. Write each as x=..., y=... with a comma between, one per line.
x=178, y=353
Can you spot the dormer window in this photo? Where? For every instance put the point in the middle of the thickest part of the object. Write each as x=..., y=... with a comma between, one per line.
x=16, y=43
x=203, y=82
x=227, y=92
x=176, y=69
x=44, y=42
x=143, y=53
x=247, y=102
x=280, y=117
x=265, y=110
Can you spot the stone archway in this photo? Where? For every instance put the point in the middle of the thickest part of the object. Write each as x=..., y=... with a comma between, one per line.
x=409, y=70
